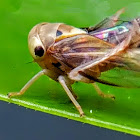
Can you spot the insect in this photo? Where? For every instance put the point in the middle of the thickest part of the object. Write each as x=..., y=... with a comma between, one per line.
x=68, y=54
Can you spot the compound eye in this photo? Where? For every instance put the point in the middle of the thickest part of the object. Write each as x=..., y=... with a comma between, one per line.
x=39, y=51
x=58, y=33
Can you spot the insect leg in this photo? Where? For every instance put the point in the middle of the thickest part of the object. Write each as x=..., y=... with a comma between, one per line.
x=63, y=81
x=98, y=90
x=70, y=88
x=115, y=17
x=106, y=23
x=28, y=84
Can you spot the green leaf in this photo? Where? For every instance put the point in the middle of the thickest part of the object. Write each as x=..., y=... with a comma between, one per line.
x=17, y=18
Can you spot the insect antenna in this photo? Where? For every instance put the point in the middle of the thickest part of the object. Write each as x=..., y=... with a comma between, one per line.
x=30, y=62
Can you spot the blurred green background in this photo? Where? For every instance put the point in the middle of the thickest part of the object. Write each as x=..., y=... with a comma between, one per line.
x=18, y=17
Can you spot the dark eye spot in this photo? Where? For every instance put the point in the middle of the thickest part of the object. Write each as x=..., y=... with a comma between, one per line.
x=57, y=64
x=138, y=46
x=39, y=51
x=58, y=33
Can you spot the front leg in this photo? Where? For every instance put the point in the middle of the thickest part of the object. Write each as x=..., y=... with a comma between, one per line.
x=29, y=83
x=63, y=81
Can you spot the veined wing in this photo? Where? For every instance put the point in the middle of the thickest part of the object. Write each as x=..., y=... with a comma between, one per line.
x=80, y=49
x=126, y=72
x=120, y=77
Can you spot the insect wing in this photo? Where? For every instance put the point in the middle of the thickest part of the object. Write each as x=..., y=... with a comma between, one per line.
x=121, y=77
x=128, y=69
x=80, y=49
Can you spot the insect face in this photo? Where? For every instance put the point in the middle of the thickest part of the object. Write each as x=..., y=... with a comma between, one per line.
x=44, y=35
x=40, y=38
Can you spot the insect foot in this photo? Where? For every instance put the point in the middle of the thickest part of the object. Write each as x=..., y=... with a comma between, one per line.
x=108, y=96
x=82, y=115
x=80, y=111
x=13, y=94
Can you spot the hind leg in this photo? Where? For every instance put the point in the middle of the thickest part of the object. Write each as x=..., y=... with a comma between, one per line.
x=100, y=93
